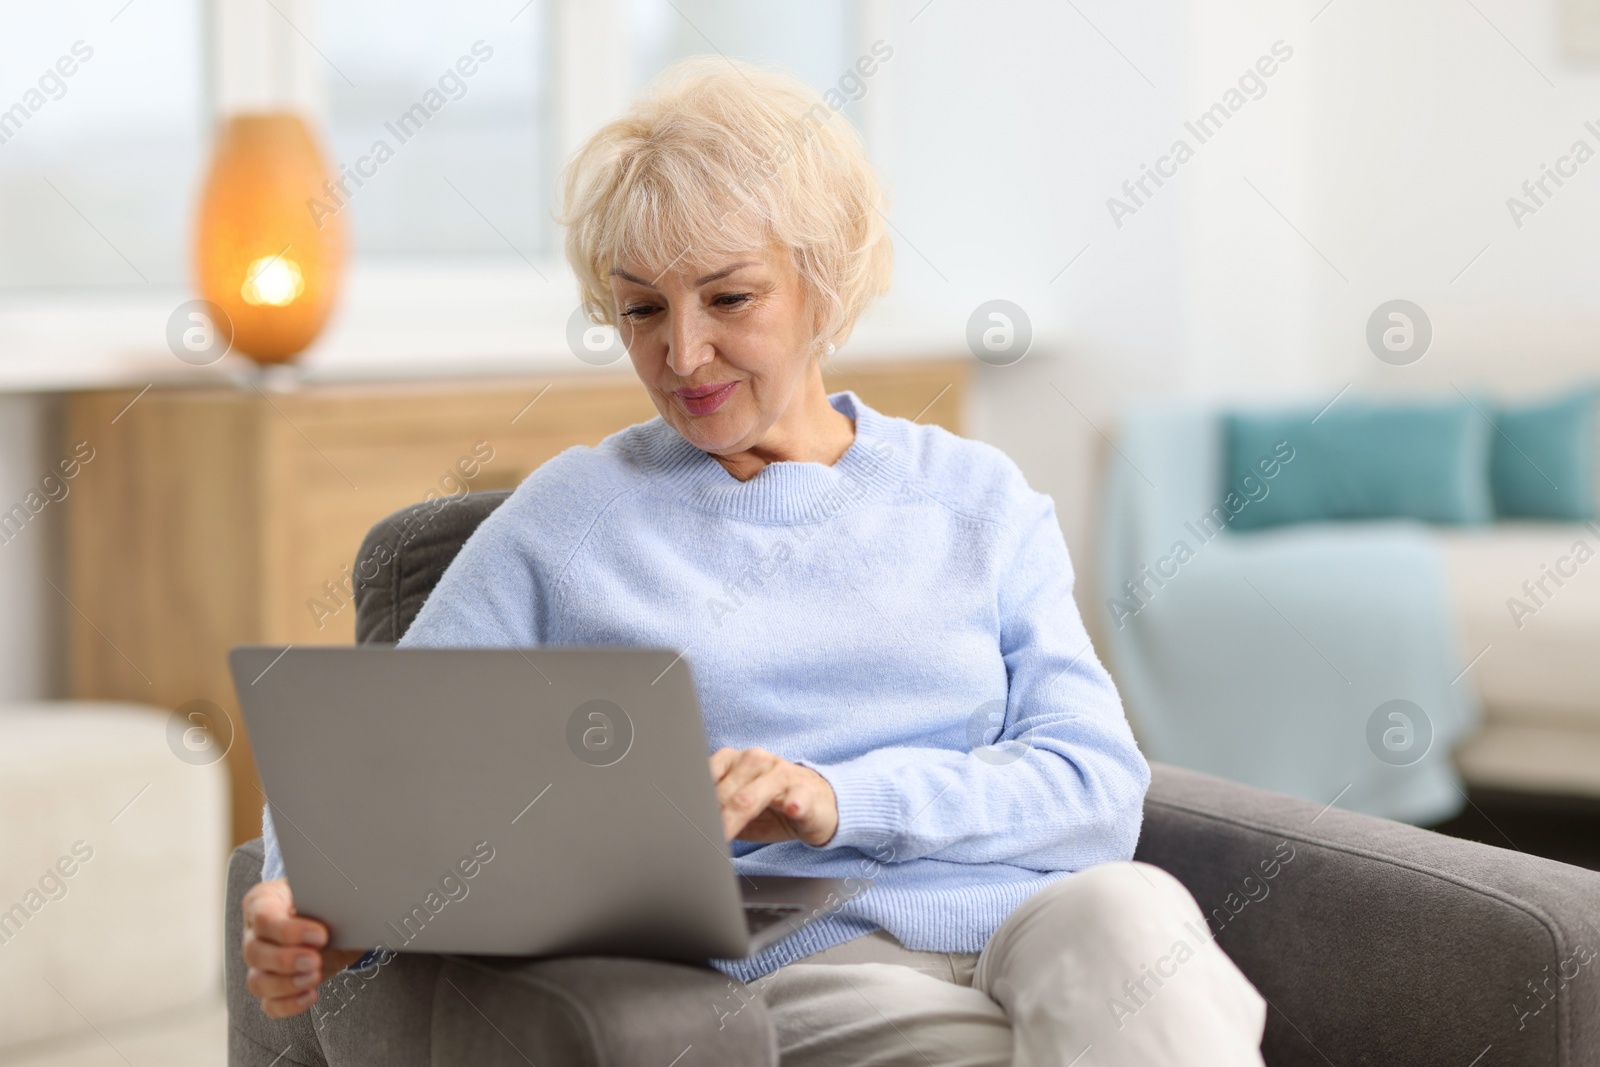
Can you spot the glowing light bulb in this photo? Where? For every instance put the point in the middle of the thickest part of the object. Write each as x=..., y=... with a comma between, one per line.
x=272, y=280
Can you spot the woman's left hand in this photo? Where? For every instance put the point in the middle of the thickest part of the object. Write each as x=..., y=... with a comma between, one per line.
x=766, y=798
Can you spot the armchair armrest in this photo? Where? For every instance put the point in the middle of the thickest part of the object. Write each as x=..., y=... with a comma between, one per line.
x=1377, y=942
x=253, y=1039
x=423, y=1010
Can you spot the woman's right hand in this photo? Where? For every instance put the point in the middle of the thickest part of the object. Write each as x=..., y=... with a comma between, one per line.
x=286, y=952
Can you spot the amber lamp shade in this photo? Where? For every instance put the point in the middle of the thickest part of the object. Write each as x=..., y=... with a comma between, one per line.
x=267, y=250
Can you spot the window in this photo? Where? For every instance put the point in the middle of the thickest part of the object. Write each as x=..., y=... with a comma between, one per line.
x=813, y=39
x=475, y=101
x=471, y=169
x=100, y=167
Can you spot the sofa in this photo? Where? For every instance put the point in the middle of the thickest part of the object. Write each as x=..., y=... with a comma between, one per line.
x=1263, y=653
x=113, y=848
x=1538, y=676
x=1374, y=942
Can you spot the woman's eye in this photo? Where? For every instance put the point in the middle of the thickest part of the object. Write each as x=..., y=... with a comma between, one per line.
x=638, y=311
x=731, y=300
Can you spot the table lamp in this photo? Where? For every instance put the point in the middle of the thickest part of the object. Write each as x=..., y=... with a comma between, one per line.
x=268, y=251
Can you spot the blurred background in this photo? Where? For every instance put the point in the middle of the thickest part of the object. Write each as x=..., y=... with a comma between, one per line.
x=1290, y=307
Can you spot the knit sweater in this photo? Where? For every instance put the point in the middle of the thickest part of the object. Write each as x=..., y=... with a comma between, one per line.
x=900, y=621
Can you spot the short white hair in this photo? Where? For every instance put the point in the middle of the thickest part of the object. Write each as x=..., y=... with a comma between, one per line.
x=719, y=158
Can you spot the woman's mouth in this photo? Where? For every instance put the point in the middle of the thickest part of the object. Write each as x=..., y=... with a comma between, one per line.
x=704, y=399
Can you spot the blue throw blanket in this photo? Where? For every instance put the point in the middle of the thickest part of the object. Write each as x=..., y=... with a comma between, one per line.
x=1272, y=657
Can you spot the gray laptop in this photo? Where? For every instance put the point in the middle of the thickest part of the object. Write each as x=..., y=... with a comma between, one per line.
x=538, y=802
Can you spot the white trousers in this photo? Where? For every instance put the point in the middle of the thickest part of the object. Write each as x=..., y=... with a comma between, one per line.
x=1113, y=966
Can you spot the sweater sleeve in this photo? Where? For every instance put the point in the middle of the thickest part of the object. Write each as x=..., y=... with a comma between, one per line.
x=491, y=595
x=1062, y=784
x=272, y=864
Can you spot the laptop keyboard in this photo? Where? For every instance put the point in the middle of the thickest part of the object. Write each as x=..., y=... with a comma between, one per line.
x=757, y=917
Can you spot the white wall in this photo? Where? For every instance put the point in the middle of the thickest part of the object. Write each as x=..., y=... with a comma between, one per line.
x=1375, y=166
x=31, y=665
x=1017, y=121
x=1012, y=123
x=1425, y=120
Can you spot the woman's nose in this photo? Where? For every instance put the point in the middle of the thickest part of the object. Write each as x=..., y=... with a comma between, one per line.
x=688, y=345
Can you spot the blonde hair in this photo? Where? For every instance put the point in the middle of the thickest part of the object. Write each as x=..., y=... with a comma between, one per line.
x=719, y=158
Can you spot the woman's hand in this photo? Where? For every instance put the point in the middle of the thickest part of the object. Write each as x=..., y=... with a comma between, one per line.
x=284, y=951
x=765, y=798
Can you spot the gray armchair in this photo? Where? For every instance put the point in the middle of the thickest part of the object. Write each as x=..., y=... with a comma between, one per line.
x=1373, y=942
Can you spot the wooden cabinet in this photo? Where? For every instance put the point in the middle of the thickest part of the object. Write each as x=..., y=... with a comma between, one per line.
x=211, y=517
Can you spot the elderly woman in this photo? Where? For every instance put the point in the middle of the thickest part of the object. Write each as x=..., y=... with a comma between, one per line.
x=865, y=601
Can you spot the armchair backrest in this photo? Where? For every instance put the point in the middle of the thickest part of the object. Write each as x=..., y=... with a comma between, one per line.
x=403, y=557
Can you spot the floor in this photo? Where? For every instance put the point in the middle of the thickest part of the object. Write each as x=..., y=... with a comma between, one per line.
x=197, y=1037
x=1559, y=828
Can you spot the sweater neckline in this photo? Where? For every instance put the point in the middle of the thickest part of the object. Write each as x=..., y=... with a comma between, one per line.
x=788, y=492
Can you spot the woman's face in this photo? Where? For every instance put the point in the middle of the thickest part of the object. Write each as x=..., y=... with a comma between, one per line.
x=723, y=348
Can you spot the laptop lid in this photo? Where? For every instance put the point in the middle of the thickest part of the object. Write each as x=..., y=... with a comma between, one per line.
x=551, y=801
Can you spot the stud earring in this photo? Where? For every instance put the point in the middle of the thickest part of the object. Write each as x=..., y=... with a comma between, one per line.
x=829, y=350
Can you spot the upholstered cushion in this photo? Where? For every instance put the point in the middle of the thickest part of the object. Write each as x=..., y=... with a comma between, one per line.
x=1359, y=460
x=1379, y=943
x=111, y=856
x=421, y=1010
x=1542, y=465
x=404, y=556
x=1529, y=592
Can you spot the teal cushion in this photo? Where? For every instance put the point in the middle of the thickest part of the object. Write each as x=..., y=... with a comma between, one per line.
x=1542, y=463
x=1358, y=460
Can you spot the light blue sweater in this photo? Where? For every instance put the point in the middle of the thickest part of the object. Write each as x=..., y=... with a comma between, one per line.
x=877, y=620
